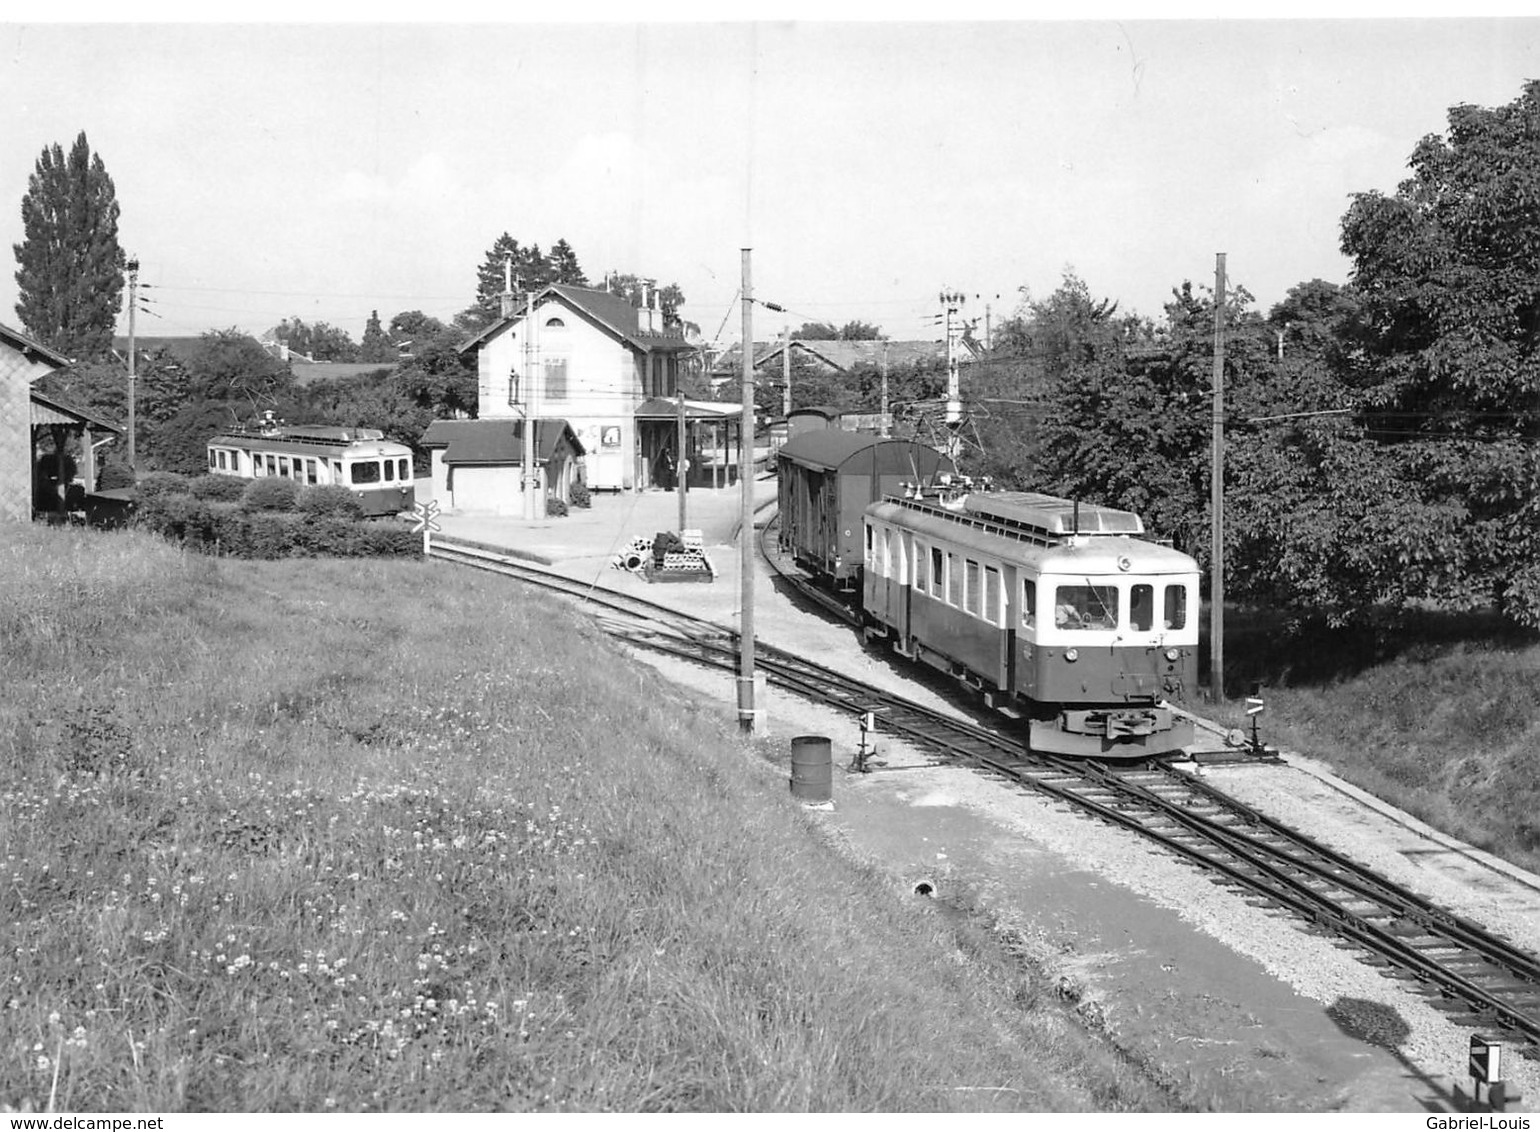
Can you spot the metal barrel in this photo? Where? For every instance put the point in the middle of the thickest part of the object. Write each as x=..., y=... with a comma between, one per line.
x=812, y=768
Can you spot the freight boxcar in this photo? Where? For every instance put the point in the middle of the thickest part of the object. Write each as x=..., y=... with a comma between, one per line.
x=827, y=478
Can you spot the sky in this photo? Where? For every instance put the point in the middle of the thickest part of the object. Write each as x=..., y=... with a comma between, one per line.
x=327, y=170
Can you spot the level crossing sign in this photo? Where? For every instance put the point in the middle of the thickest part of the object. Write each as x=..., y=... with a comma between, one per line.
x=427, y=518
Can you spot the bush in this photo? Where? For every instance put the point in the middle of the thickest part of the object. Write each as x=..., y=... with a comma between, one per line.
x=581, y=496
x=225, y=489
x=114, y=476
x=161, y=483
x=555, y=507
x=332, y=500
x=270, y=494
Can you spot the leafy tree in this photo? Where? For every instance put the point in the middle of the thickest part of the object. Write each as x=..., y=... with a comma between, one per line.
x=858, y=331
x=817, y=332
x=376, y=346
x=70, y=278
x=668, y=298
x=434, y=375
x=1445, y=348
x=323, y=342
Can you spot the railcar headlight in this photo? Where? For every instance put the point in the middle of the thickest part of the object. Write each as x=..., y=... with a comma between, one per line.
x=1072, y=655
x=1172, y=654
x=1125, y=563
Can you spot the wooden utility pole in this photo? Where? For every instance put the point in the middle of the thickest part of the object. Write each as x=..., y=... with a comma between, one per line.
x=1216, y=611
x=133, y=305
x=786, y=371
x=746, y=518
x=682, y=463
x=528, y=394
x=882, y=421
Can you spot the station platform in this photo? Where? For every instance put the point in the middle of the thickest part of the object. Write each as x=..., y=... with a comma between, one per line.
x=607, y=526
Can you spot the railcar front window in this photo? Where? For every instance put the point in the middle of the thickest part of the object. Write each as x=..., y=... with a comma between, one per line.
x=390, y=470
x=1085, y=607
x=366, y=471
x=1141, y=607
x=406, y=471
x=1176, y=607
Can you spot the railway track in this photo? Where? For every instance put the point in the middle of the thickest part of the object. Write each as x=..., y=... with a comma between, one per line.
x=1477, y=976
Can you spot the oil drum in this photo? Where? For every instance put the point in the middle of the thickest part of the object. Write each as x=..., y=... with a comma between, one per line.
x=812, y=768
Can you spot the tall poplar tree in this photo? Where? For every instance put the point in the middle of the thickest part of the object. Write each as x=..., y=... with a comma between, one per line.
x=70, y=278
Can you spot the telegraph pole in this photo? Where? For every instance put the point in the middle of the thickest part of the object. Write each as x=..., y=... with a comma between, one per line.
x=1217, y=496
x=528, y=393
x=786, y=371
x=682, y=464
x=746, y=519
x=882, y=421
x=133, y=304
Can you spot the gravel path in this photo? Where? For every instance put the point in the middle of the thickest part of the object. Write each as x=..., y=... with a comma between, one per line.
x=1430, y=1051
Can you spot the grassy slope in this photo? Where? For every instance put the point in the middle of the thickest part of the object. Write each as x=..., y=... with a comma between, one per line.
x=354, y=835
x=1442, y=720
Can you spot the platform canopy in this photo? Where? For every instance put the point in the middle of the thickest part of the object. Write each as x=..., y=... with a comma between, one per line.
x=667, y=409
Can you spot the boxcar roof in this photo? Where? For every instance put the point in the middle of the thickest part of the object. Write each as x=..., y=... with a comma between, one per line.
x=1097, y=555
x=830, y=449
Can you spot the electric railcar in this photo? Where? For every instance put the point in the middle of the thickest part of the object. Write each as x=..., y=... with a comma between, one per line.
x=1058, y=613
x=376, y=470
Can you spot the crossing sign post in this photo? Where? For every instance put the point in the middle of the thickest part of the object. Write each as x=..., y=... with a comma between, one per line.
x=427, y=521
x=1254, y=708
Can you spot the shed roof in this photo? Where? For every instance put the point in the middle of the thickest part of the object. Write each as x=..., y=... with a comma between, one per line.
x=497, y=441
x=46, y=410
x=665, y=408
x=33, y=350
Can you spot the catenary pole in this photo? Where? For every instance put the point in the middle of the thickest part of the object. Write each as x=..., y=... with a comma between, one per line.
x=1217, y=496
x=746, y=518
x=682, y=463
x=133, y=305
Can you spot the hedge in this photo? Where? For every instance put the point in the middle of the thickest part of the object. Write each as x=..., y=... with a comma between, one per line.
x=232, y=529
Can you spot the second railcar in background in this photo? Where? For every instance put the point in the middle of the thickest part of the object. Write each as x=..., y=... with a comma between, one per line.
x=377, y=471
x=827, y=478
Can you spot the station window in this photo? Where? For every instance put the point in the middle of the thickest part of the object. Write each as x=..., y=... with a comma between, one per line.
x=1085, y=607
x=1176, y=607
x=1029, y=603
x=972, y=591
x=366, y=471
x=937, y=572
x=1141, y=607
x=992, y=596
x=954, y=579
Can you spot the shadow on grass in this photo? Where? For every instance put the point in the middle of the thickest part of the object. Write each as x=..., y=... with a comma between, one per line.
x=1275, y=650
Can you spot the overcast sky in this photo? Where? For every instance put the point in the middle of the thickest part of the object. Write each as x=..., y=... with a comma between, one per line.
x=325, y=171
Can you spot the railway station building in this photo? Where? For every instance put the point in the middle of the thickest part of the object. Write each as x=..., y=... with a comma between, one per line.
x=610, y=371
x=47, y=448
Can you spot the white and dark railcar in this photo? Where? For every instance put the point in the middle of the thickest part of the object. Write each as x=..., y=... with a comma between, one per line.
x=376, y=470
x=1059, y=613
